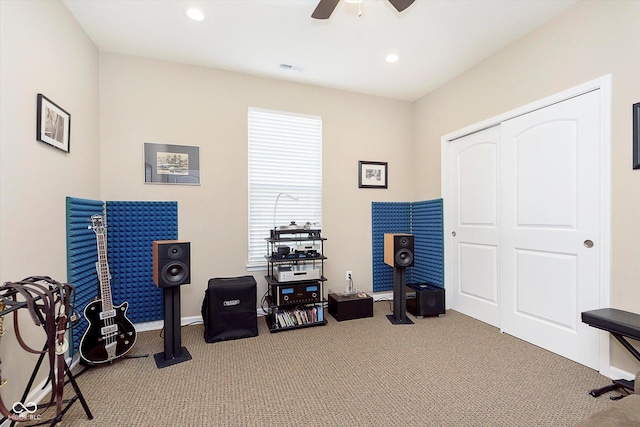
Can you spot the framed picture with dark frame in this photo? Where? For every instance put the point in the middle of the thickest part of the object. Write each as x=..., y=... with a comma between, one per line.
x=171, y=164
x=636, y=135
x=53, y=124
x=372, y=174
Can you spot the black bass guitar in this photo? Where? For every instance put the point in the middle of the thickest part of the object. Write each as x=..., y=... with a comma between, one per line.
x=110, y=333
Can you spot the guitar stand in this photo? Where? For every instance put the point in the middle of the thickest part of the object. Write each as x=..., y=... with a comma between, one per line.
x=12, y=306
x=71, y=379
x=619, y=324
x=88, y=365
x=135, y=356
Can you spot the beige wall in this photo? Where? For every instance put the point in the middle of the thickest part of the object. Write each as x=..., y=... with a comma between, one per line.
x=42, y=50
x=143, y=100
x=124, y=101
x=592, y=39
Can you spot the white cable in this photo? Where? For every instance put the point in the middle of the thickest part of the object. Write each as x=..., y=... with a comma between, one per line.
x=276, y=205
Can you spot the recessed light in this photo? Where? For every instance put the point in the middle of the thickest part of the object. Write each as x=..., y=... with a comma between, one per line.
x=392, y=58
x=195, y=14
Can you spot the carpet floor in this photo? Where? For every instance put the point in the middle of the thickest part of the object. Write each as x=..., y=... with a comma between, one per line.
x=442, y=371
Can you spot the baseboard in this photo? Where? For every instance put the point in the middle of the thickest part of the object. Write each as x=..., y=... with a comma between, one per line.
x=156, y=325
x=619, y=374
x=387, y=296
x=159, y=324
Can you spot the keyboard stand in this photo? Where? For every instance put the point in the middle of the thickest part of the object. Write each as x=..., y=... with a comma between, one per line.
x=621, y=324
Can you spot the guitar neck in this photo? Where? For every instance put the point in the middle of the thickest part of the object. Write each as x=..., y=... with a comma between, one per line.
x=103, y=273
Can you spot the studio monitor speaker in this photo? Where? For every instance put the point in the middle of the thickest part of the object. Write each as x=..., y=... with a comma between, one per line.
x=398, y=250
x=171, y=263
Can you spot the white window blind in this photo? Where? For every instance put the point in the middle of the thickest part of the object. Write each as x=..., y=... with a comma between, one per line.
x=285, y=156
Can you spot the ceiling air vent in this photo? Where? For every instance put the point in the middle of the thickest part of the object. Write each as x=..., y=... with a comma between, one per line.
x=292, y=67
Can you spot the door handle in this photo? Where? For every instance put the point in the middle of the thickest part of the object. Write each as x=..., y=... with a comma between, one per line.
x=453, y=233
x=588, y=244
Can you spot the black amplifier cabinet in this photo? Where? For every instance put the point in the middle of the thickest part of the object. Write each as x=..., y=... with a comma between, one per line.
x=302, y=293
x=229, y=309
x=351, y=306
x=424, y=299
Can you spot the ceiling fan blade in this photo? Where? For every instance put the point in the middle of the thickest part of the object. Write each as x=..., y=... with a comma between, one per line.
x=324, y=9
x=401, y=5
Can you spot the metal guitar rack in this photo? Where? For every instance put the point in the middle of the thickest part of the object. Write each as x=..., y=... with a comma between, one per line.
x=7, y=294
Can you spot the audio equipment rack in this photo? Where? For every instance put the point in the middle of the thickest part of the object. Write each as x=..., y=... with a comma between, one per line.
x=295, y=279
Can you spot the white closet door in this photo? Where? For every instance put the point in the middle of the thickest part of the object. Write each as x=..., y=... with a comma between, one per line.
x=550, y=226
x=473, y=162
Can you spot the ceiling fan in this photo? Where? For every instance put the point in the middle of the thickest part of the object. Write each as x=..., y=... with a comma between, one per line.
x=325, y=7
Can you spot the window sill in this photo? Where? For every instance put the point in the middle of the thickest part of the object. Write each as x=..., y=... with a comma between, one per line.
x=258, y=267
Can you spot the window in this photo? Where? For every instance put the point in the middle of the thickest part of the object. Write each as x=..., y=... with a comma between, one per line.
x=285, y=162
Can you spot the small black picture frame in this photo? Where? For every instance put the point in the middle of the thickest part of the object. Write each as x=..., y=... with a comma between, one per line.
x=372, y=174
x=53, y=124
x=636, y=135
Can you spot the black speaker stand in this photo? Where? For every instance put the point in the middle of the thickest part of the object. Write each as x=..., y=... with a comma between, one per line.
x=173, y=353
x=399, y=316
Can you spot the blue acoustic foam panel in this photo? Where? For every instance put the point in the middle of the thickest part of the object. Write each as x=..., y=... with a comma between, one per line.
x=422, y=219
x=82, y=255
x=131, y=229
x=428, y=229
x=386, y=217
